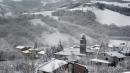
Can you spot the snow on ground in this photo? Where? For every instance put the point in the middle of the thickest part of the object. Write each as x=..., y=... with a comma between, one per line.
x=110, y=17
x=37, y=22
x=125, y=0
x=127, y=72
x=113, y=3
x=107, y=16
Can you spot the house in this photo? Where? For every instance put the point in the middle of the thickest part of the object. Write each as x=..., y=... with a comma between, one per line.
x=113, y=56
x=95, y=47
x=99, y=61
x=33, y=53
x=118, y=45
x=53, y=66
x=22, y=48
x=77, y=68
x=125, y=51
x=60, y=66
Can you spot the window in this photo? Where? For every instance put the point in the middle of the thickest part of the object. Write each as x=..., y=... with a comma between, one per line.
x=106, y=58
x=122, y=58
x=104, y=54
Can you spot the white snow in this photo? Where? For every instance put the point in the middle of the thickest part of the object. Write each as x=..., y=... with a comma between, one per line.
x=26, y=51
x=52, y=65
x=110, y=17
x=37, y=22
x=107, y=16
x=114, y=3
x=20, y=47
x=41, y=52
x=125, y=0
x=127, y=72
x=115, y=54
x=70, y=51
x=119, y=43
x=99, y=60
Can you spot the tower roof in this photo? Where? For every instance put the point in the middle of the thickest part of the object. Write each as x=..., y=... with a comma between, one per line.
x=83, y=36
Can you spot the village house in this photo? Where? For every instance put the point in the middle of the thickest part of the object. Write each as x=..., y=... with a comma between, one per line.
x=60, y=66
x=99, y=62
x=53, y=66
x=22, y=48
x=77, y=68
x=125, y=51
x=118, y=45
x=31, y=53
x=113, y=57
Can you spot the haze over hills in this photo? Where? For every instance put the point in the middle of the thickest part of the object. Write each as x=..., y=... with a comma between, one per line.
x=47, y=22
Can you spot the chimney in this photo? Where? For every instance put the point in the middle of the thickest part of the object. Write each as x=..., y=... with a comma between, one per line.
x=83, y=43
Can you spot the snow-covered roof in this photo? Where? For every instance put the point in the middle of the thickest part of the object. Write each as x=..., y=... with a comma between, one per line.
x=41, y=52
x=32, y=49
x=52, y=65
x=100, y=61
x=26, y=51
x=20, y=47
x=95, y=47
x=125, y=50
x=115, y=54
x=67, y=53
x=72, y=49
x=90, y=51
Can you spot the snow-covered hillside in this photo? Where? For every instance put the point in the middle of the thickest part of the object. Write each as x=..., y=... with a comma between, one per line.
x=113, y=3
x=107, y=16
x=110, y=17
x=52, y=36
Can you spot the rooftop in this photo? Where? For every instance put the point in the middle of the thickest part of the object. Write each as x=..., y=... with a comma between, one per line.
x=41, y=52
x=125, y=50
x=26, y=51
x=100, y=61
x=20, y=47
x=115, y=54
x=67, y=53
x=52, y=65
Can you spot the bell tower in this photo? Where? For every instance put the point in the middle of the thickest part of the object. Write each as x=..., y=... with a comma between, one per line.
x=83, y=43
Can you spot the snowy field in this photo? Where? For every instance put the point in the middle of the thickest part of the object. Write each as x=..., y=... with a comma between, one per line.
x=107, y=16
x=113, y=3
